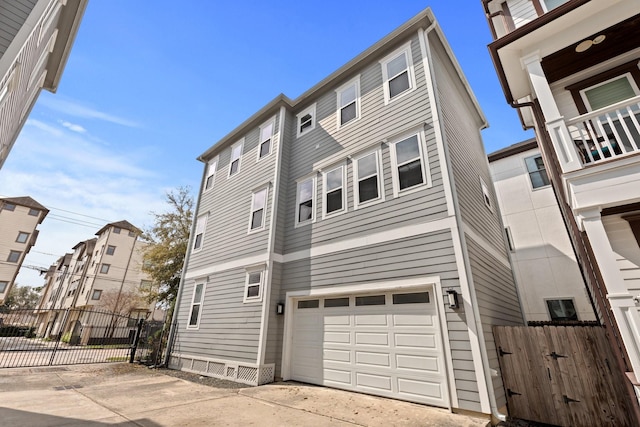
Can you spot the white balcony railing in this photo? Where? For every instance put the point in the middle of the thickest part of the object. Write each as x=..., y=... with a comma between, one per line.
x=608, y=133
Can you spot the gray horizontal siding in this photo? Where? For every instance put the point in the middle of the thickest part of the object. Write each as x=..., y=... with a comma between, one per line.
x=228, y=203
x=229, y=329
x=289, y=132
x=13, y=14
x=273, y=350
x=498, y=302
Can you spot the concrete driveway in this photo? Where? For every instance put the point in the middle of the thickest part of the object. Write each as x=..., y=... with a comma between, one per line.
x=130, y=395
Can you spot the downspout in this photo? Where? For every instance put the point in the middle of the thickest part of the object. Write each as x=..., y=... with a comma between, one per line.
x=176, y=303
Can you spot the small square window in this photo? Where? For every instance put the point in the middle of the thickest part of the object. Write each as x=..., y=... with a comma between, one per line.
x=8, y=207
x=236, y=155
x=3, y=287
x=258, y=203
x=266, y=135
x=562, y=309
x=537, y=172
x=104, y=268
x=211, y=174
x=201, y=226
x=367, y=179
x=397, y=73
x=111, y=250
x=306, y=120
x=96, y=294
x=22, y=237
x=34, y=212
x=14, y=256
x=196, y=306
x=253, y=287
x=305, y=194
x=116, y=230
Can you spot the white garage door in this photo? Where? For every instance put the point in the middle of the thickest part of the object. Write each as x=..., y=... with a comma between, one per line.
x=386, y=344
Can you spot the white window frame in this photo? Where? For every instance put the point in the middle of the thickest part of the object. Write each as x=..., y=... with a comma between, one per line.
x=239, y=158
x=402, y=50
x=212, y=167
x=314, y=197
x=424, y=163
x=326, y=172
x=249, y=271
x=201, y=228
x=524, y=160
x=353, y=82
x=628, y=76
x=575, y=306
x=356, y=179
x=486, y=195
x=194, y=303
x=309, y=110
x=272, y=123
x=253, y=209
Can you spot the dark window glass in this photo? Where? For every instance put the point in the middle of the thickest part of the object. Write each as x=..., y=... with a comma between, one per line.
x=9, y=207
x=111, y=250
x=255, y=277
x=14, y=256
x=348, y=113
x=306, y=211
x=34, y=212
x=368, y=189
x=334, y=201
x=413, y=298
x=311, y=303
x=198, y=241
x=265, y=147
x=336, y=302
x=537, y=171
x=398, y=84
x=256, y=219
x=195, y=311
x=234, y=166
x=116, y=230
x=562, y=309
x=3, y=287
x=370, y=300
x=305, y=122
x=410, y=174
x=253, y=291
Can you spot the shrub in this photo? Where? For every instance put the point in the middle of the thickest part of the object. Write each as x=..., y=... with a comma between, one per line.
x=66, y=337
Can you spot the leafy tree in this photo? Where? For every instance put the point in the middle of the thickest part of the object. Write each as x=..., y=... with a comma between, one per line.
x=22, y=297
x=168, y=240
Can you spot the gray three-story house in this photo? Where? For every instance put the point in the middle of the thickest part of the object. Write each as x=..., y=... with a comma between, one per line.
x=351, y=238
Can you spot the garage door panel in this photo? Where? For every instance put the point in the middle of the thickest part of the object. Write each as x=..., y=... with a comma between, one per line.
x=412, y=319
x=371, y=319
x=374, y=359
x=332, y=337
x=423, y=341
x=338, y=320
x=419, y=363
x=342, y=377
x=333, y=355
x=380, y=382
x=372, y=338
x=420, y=388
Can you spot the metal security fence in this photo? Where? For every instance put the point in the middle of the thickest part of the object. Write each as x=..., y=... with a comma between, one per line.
x=67, y=336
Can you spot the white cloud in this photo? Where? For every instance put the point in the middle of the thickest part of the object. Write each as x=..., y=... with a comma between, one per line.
x=73, y=127
x=75, y=109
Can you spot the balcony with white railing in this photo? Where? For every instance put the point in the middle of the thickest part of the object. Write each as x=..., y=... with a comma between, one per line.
x=608, y=133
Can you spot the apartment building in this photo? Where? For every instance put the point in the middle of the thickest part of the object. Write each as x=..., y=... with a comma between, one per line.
x=571, y=67
x=351, y=237
x=19, y=217
x=36, y=37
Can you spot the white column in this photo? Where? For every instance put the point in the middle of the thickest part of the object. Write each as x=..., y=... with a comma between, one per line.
x=562, y=141
x=622, y=304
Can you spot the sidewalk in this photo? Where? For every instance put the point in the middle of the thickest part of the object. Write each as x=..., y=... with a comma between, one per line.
x=129, y=395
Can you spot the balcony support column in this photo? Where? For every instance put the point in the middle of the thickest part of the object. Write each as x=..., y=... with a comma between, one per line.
x=622, y=303
x=554, y=121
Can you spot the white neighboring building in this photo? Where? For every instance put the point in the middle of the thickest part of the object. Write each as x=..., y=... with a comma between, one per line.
x=549, y=280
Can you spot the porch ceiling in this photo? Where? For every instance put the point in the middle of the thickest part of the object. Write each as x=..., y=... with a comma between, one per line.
x=620, y=38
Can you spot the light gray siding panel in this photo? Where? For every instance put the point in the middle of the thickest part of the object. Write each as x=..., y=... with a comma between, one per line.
x=229, y=329
x=228, y=204
x=498, y=302
x=276, y=322
x=13, y=14
x=289, y=131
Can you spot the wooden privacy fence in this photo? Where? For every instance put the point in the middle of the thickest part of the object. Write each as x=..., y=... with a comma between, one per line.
x=562, y=375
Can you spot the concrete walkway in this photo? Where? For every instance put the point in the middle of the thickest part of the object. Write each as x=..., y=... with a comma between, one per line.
x=129, y=395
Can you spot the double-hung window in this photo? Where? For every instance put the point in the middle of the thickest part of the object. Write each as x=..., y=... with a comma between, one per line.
x=196, y=306
x=397, y=73
x=306, y=120
x=305, y=194
x=201, y=225
x=348, y=102
x=211, y=174
x=537, y=172
x=367, y=180
x=258, y=203
x=408, y=161
x=266, y=135
x=236, y=154
x=333, y=184
x=253, y=285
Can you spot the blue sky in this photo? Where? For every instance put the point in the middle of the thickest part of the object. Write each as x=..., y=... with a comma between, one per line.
x=150, y=85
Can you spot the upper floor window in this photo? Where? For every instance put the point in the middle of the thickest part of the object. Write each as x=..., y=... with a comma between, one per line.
x=236, y=154
x=104, y=268
x=14, y=256
x=334, y=196
x=201, y=225
x=609, y=92
x=253, y=285
x=111, y=250
x=409, y=167
x=22, y=237
x=348, y=102
x=266, y=133
x=211, y=174
x=117, y=230
x=258, y=203
x=367, y=179
x=537, y=172
x=34, y=212
x=196, y=306
x=486, y=196
x=8, y=207
x=305, y=193
x=3, y=287
x=397, y=73
x=96, y=294
x=306, y=120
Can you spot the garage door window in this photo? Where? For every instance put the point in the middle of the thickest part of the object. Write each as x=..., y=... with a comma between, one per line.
x=336, y=302
x=311, y=303
x=413, y=298
x=370, y=300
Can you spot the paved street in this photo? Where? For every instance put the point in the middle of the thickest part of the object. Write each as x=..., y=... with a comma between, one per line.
x=129, y=395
